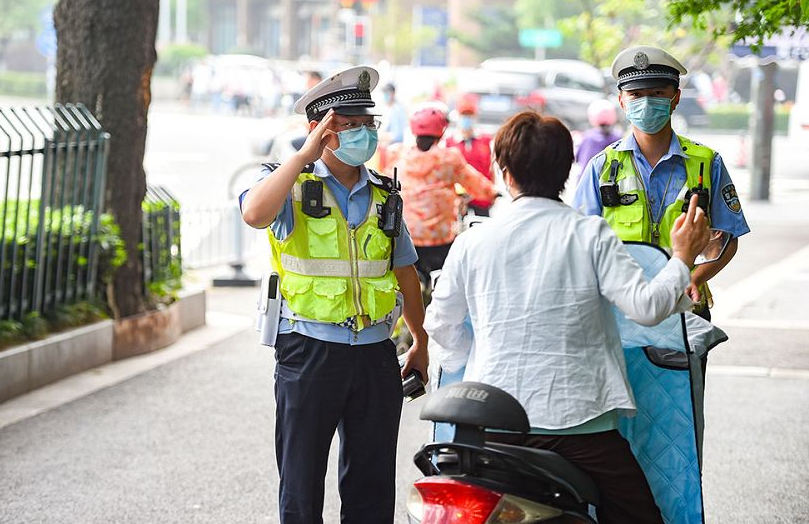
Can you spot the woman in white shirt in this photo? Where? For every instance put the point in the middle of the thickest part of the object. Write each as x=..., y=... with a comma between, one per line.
x=538, y=282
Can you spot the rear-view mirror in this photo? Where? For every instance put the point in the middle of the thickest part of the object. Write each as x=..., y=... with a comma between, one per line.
x=716, y=247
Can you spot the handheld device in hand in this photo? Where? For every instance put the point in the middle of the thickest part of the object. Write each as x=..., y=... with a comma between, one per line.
x=390, y=220
x=412, y=384
x=312, y=199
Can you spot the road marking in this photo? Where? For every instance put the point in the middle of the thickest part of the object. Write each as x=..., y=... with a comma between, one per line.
x=734, y=298
x=756, y=371
x=219, y=326
x=757, y=323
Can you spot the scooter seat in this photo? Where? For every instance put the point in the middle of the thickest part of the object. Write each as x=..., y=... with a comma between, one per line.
x=556, y=465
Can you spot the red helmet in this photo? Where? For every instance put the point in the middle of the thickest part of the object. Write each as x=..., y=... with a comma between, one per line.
x=602, y=113
x=467, y=105
x=429, y=120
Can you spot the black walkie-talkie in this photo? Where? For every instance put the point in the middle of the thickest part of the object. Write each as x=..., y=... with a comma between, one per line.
x=703, y=197
x=390, y=219
x=610, y=196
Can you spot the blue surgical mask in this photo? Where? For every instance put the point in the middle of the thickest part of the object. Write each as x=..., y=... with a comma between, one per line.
x=357, y=146
x=465, y=122
x=649, y=113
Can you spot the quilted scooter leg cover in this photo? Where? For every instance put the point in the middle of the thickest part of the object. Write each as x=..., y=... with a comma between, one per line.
x=665, y=434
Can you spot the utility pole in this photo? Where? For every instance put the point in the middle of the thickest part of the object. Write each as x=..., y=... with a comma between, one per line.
x=761, y=128
x=164, y=23
x=181, y=30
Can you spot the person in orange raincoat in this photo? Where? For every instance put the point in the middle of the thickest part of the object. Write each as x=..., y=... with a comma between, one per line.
x=428, y=173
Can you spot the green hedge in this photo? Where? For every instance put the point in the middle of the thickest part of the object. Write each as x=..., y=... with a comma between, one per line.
x=737, y=117
x=19, y=83
x=172, y=58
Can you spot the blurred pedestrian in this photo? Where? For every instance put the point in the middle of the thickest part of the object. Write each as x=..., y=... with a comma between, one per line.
x=394, y=118
x=475, y=147
x=428, y=173
x=602, y=117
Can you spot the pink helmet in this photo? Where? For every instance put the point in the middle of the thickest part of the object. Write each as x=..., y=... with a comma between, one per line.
x=602, y=113
x=429, y=120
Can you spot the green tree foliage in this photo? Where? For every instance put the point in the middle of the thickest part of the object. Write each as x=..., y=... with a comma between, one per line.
x=747, y=19
x=393, y=36
x=604, y=28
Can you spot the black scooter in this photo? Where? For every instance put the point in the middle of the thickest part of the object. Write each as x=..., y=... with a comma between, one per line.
x=471, y=481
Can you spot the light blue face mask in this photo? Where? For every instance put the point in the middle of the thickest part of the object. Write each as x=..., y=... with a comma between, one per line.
x=650, y=113
x=465, y=122
x=357, y=146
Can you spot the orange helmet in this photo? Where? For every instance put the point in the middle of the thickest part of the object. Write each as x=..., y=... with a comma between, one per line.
x=429, y=120
x=467, y=105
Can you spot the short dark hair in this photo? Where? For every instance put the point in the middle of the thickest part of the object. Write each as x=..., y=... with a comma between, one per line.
x=538, y=152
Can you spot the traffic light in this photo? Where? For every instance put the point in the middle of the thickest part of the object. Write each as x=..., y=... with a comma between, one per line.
x=360, y=32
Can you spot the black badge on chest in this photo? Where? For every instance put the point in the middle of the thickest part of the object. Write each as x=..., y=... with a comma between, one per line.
x=629, y=198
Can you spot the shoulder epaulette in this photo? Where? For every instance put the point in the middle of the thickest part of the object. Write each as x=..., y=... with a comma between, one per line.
x=272, y=166
x=383, y=182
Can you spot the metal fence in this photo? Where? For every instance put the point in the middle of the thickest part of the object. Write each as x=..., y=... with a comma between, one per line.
x=162, y=257
x=217, y=235
x=52, y=173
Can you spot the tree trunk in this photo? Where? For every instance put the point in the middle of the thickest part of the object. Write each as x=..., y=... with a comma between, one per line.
x=105, y=56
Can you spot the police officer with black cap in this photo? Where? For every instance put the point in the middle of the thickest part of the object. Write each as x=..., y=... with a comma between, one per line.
x=343, y=271
x=640, y=183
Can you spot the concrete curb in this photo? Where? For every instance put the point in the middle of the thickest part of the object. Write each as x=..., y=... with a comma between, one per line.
x=220, y=326
x=35, y=364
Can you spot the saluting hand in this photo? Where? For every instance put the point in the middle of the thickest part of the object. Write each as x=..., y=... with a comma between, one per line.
x=318, y=139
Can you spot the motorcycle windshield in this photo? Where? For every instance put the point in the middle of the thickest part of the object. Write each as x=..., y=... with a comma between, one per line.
x=665, y=374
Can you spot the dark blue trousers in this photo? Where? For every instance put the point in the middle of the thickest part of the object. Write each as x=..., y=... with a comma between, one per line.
x=321, y=387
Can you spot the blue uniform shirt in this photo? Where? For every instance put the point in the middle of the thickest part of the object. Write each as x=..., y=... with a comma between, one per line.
x=726, y=213
x=354, y=205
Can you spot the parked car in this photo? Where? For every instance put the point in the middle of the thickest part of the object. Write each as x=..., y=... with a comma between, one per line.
x=562, y=88
x=690, y=111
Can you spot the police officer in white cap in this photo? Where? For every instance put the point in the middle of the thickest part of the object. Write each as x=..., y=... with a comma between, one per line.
x=340, y=267
x=640, y=183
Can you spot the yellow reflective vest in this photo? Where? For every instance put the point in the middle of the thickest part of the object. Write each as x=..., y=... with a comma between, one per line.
x=331, y=272
x=635, y=221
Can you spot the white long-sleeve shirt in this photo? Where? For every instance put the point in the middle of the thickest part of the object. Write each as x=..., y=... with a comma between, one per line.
x=537, y=282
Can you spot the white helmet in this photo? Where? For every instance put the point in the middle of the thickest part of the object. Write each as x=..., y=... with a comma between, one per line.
x=602, y=113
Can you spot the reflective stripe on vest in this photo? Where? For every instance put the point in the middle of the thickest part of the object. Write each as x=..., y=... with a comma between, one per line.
x=634, y=221
x=331, y=272
x=333, y=268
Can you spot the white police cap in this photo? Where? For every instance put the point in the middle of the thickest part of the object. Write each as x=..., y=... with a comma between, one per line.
x=348, y=93
x=643, y=67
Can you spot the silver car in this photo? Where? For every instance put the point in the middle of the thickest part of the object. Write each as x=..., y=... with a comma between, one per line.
x=562, y=88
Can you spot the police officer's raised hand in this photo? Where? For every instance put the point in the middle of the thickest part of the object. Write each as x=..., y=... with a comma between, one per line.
x=690, y=233
x=318, y=139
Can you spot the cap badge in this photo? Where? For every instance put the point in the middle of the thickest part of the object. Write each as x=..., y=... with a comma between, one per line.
x=641, y=60
x=364, y=81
